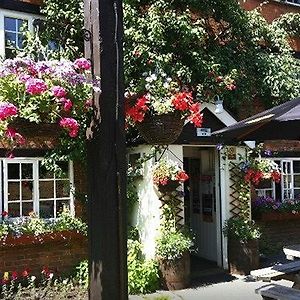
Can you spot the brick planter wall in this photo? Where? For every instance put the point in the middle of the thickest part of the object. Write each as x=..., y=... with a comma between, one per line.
x=276, y=234
x=58, y=251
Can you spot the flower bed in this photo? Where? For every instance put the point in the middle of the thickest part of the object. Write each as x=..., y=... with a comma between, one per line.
x=269, y=209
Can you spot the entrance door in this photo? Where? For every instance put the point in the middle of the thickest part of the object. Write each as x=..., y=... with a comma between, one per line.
x=201, y=198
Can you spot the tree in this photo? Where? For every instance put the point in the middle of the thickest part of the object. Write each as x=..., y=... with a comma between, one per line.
x=213, y=47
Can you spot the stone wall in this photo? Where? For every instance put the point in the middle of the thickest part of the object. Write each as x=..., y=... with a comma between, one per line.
x=60, y=252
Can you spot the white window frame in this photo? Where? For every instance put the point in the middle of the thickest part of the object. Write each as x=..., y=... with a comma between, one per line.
x=292, y=2
x=36, y=199
x=16, y=15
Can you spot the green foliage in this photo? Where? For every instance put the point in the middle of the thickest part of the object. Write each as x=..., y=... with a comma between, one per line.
x=241, y=229
x=206, y=45
x=82, y=273
x=64, y=24
x=142, y=274
x=172, y=243
x=38, y=226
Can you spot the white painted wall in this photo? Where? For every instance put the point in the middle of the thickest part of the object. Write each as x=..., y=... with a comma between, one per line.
x=147, y=216
x=225, y=192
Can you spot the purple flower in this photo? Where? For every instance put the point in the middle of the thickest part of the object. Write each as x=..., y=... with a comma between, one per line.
x=268, y=152
x=219, y=146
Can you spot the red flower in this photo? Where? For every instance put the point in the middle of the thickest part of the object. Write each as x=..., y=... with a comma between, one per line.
x=137, y=112
x=276, y=176
x=219, y=79
x=182, y=101
x=196, y=117
x=25, y=273
x=182, y=176
x=14, y=275
x=254, y=176
x=4, y=214
x=46, y=272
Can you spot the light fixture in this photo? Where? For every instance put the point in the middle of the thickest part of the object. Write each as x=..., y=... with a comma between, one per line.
x=219, y=105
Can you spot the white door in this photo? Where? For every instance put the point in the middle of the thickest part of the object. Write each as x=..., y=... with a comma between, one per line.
x=202, y=203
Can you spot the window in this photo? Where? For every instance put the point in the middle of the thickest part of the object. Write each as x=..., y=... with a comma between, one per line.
x=28, y=186
x=288, y=187
x=13, y=35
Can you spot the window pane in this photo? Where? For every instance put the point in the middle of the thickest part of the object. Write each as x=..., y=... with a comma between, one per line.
x=265, y=184
x=60, y=205
x=10, y=39
x=297, y=181
x=13, y=171
x=297, y=194
x=27, y=171
x=20, y=24
x=296, y=165
x=46, y=209
x=46, y=189
x=13, y=191
x=10, y=24
x=27, y=190
x=65, y=170
x=10, y=53
x=14, y=209
x=44, y=173
x=27, y=207
x=20, y=41
x=62, y=188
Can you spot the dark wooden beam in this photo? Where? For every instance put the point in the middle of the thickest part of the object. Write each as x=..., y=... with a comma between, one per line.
x=20, y=6
x=106, y=154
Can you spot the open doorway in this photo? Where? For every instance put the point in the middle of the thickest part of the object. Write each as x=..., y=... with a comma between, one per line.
x=201, y=211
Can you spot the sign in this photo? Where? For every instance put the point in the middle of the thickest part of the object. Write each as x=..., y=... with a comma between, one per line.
x=203, y=131
x=231, y=152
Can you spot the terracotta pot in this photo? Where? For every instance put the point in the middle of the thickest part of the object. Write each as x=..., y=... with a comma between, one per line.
x=175, y=274
x=161, y=129
x=243, y=256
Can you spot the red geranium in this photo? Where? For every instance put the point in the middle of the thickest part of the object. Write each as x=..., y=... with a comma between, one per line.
x=182, y=176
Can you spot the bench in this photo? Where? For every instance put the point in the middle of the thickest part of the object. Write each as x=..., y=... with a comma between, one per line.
x=292, y=252
x=279, y=292
x=287, y=271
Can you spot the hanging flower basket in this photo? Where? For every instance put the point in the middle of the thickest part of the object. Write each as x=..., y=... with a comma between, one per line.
x=168, y=188
x=161, y=129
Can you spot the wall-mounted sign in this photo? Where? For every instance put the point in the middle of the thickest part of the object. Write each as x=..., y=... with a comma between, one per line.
x=231, y=152
x=203, y=131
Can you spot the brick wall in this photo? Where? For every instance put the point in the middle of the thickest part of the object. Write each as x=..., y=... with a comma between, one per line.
x=60, y=253
x=276, y=234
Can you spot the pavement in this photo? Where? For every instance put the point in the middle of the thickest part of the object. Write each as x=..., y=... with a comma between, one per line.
x=212, y=283
x=238, y=288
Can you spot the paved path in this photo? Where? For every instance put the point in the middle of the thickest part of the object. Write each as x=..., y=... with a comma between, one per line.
x=236, y=289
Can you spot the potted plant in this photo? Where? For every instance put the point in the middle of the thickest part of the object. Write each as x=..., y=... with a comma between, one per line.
x=167, y=175
x=173, y=248
x=243, y=249
x=160, y=107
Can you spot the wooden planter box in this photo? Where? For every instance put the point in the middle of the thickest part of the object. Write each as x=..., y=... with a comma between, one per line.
x=243, y=256
x=175, y=274
x=278, y=216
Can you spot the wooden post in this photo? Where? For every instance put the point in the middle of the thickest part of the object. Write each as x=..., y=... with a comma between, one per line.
x=106, y=154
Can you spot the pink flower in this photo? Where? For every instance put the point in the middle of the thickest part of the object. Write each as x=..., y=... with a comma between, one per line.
x=58, y=91
x=24, y=77
x=71, y=125
x=68, y=105
x=10, y=133
x=82, y=63
x=7, y=110
x=14, y=275
x=35, y=86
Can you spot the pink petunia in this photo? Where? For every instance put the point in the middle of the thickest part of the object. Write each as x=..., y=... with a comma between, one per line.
x=82, y=63
x=71, y=125
x=58, y=91
x=35, y=86
x=7, y=110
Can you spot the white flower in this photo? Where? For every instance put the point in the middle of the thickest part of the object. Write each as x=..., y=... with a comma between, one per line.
x=148, y=79
x=154, y=77
x=166, y=85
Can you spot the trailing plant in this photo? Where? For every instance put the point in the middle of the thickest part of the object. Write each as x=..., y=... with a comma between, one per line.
x=33, y=225
x=82, y=273
x=46, y=92
x=239, y=228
